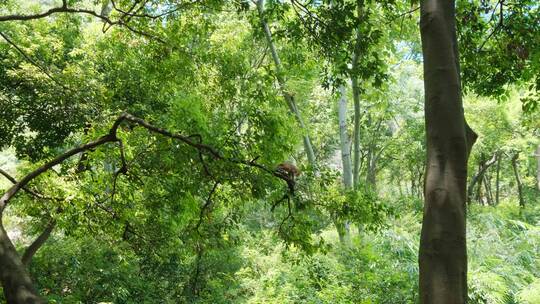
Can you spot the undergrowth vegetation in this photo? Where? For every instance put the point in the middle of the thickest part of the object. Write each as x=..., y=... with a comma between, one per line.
x=377, y=267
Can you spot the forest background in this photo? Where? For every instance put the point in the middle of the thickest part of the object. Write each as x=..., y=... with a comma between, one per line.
x=142, y=141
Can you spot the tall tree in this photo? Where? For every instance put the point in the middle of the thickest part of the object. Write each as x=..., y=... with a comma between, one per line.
x=342, y=227
x=443, y=252
x=356, y=94
x=289, y=98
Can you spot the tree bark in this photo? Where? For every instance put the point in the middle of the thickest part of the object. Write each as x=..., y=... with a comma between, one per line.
x=344, y=140
x=291, y=103
x=443, y=252
x=343, y=228
x=16, y=282
x=518, y=180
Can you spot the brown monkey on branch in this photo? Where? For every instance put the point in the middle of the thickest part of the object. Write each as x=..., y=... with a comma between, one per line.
x=289, y=172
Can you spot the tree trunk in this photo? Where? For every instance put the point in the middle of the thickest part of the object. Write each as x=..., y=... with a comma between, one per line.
x=344, y=231
x=343, y=227
x=291, y=103
x=106, y=8
x=538, y=167
x=356, y=97
x=443, y=252
x=482, y=167
x=498, y=180
x=16, y=282
x=489, y=194
x=371, y=174
x=344, y=140
x=356, y=132
x=518, y=180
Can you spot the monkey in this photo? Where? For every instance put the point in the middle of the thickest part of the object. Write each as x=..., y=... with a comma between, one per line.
x=289, y=172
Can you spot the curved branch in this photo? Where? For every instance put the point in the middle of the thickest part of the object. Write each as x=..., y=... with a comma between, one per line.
x=112, y=137
x=10, y=193
x=29, y=191
x=65, y=9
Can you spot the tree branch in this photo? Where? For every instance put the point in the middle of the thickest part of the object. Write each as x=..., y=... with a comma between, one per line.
x=10, y=193
x=484, y=165
x=29, y=191
x=34, y=247
x=112, y=137
x=65, y=9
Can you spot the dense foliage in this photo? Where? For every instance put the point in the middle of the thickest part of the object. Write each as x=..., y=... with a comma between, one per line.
x=187, y=204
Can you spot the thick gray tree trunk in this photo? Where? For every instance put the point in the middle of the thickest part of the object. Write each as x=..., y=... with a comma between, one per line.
x=291, y=103
x=443, y=252
x=16, y=282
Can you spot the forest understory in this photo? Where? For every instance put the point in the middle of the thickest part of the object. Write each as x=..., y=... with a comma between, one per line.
x=251, y=151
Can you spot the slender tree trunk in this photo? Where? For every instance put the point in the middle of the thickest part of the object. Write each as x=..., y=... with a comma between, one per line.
x=538, y=167
x=356, y=132
x=489, y=194
x=344, y=140
x=420, y=183
x=356, y=98
x=477, y=179
x=342, y=228
x=413, y=185
x=498, y=180
x=518, y=180
x=16, y=282
x=308, y=147
x=106, y=8
x=443, y=252
x=371, y=174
